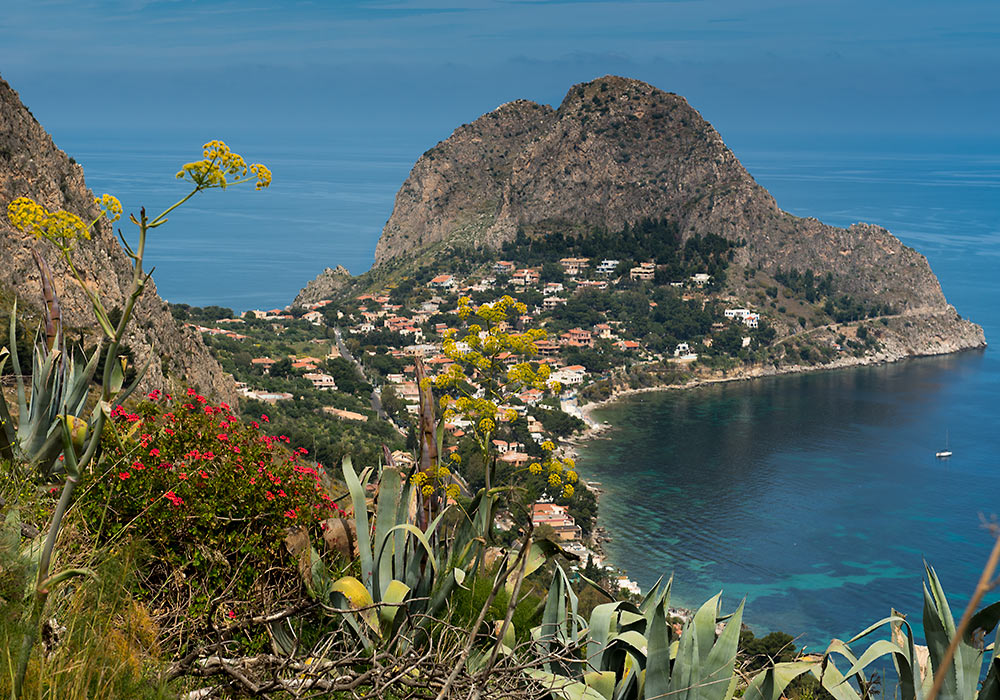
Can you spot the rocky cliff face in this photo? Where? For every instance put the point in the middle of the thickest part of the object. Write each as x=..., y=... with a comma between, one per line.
x=324, y=286
x=31, y=165
x=618, y=150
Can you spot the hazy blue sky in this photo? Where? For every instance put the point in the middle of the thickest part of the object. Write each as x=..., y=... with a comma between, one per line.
x=422, y=67
x=340, y=98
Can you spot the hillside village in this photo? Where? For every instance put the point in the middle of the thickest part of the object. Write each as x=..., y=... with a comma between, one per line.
x=344, y=368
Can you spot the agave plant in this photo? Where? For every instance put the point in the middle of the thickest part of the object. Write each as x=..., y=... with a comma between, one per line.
x=402, y=564
x=59, y=387
x=628, y=651
x=916, y=665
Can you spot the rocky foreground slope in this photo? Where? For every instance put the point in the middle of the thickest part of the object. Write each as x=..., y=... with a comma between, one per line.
x=619, y=150
x=31, y=165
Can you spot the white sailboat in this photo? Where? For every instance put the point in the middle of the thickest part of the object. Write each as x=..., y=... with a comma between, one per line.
x=945, y=453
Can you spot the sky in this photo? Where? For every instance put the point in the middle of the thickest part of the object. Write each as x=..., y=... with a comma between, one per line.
x=421, y=67
x=341, y=98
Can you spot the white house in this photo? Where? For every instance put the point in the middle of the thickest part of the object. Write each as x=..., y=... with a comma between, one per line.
x=324, y=382
x=607, y=266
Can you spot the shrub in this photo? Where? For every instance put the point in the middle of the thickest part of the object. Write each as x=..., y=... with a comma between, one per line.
x=211, y=496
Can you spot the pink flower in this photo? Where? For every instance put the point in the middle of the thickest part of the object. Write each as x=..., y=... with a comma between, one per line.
x=182, y=475
x=223, y=437
x=174, y=498
x=265, y=418
x=154, y=452
x=290, y=514
x=191, y=392
x=203, y=474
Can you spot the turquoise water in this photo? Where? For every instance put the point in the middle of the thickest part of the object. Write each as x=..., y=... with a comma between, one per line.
x=818, y=497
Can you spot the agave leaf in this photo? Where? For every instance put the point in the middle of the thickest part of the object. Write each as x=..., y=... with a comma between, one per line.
x=982, y=623
x=938, y=630
x=771, y=683
x=392, y=598
x=361, y=520
x=563, y=687
x=601, y=619
x=130, y=389
x=386, y=511
x=601, y=681
x=703, y=625
x=7, y=428
x=628, y=642
x=658, y=677
x=57, y=579
x=358, y=598
x=877, y=650
x=117, y=373
x=834, y=682
x=718, y=669
x=598, y=587
x=281, y=638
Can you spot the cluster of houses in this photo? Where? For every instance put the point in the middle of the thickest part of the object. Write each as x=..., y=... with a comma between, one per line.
x=750, y=319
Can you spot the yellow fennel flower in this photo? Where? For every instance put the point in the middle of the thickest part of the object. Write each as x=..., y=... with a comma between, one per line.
x=110, y=206
x=427, y=489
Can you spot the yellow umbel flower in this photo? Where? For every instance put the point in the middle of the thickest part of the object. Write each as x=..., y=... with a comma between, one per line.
x=452, y=490
x=427, y=489
x=61, y=227
x=110, y=206
x=220, y=165
x=567, y=490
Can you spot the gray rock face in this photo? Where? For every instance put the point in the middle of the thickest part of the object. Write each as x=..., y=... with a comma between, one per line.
x=324, y=286
x=618, y=150
x=31, y=165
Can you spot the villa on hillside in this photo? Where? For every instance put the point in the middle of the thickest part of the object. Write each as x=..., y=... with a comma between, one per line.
x=443, y=282
x=558, y=518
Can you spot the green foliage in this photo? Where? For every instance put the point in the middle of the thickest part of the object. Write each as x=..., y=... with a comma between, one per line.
x=418, y=552
x=658, y=240
x=629, y=652
x=59, y=387
x=103, y=644
x=211, y=496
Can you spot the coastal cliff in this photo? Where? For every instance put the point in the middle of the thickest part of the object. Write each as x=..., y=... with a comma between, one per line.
x=31, y=165
x=617, y=151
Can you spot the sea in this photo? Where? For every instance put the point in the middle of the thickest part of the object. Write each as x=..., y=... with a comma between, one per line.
x=815, y=497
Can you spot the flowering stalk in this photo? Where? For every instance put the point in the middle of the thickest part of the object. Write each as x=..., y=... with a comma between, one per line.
x=63, y=229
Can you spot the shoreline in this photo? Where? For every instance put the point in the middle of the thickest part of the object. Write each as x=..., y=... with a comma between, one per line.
x=594, y=430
